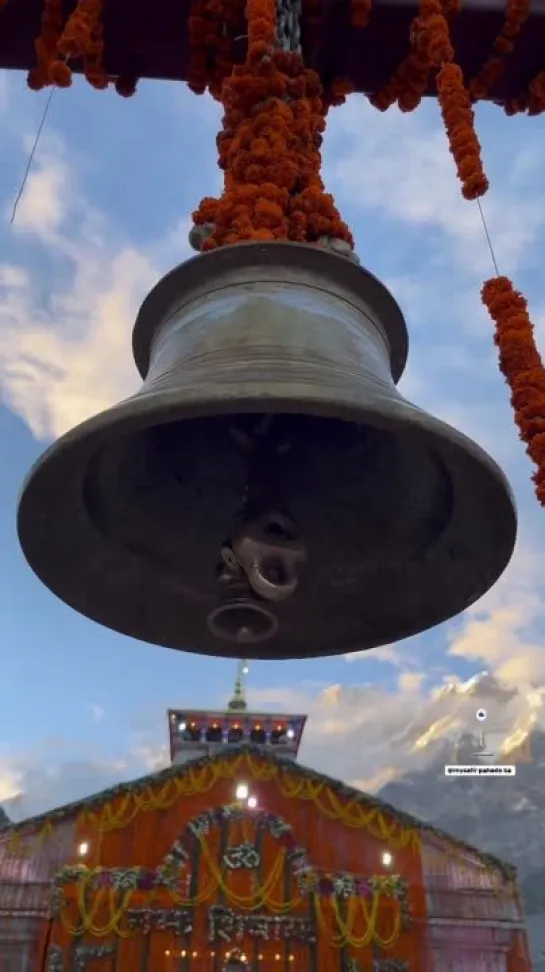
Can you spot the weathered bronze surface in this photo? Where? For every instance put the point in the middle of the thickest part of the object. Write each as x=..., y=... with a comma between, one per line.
x=268, y=485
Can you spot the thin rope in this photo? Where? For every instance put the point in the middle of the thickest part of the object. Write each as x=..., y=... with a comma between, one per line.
x=488, y=238
x=31, y=156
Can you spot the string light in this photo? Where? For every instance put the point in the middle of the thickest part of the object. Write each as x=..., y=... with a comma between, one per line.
x=387, y=858
x=277, y=957
x=195, y=954
x=83, y=848
x=252, y=802
x=242, y=791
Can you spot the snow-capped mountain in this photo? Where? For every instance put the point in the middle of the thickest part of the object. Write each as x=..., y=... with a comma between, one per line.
x=503, y=815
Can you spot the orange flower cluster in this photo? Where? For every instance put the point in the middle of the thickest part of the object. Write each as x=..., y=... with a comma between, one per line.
x=521, y=364
x=458, y=118
x=430, y=46
x=336, y=93
x=212, y=27
x=269, y=148
x=360, y=11
x=533, y=102
x=516, y=15
x=46, y=44
x=81, y=39
x=432, y=39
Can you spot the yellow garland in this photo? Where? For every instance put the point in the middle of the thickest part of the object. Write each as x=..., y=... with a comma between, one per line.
x=261, y=896
x=87, y=924
x=197, y=781
x=340, y=939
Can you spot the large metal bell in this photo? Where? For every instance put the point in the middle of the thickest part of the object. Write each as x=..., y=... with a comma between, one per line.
x=268, y=491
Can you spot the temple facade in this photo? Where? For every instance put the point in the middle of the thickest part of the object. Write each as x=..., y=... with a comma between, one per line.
x=239, y=859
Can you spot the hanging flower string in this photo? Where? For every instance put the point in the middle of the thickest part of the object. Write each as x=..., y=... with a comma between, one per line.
x=516, y=15
x=533, y=102
x=212, y=27
x=269, y=148
x=522, y=367
x=45, y=44
x=81, y=39
x=520, y=361
x=412, y=78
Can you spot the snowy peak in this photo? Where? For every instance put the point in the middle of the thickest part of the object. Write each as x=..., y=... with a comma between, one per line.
x=481, y=687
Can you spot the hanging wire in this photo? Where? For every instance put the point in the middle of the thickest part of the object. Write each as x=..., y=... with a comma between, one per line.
x=31, y=156
x=488, y=238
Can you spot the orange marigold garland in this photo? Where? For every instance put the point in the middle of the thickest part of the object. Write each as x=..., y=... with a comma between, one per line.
x=46, y=44
x=269, y=148
x=411, y=79
x=80, y=40
x=521, y=364
x=458, y=116
x=212, y=27
x=532, y=102
x=458, y=119
x=516, y=15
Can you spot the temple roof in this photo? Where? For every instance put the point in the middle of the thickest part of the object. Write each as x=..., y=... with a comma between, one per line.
x=294, y=769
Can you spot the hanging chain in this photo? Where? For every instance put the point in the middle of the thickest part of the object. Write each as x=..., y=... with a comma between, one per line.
x=288, y=25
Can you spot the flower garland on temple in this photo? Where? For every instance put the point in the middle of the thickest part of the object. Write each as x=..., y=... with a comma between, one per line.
x=516, y=15
x=45, y=44
x=212, y=28
x=269, y=149
x=97, y=888
x=119, y=806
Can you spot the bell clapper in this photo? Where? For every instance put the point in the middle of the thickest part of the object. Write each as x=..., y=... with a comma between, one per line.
x=270, y=551
x=262, y=561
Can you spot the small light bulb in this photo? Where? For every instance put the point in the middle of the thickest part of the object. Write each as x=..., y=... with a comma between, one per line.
x=291, y=958
x=277, y=957
x=182, y=726
x=195, y=954
x=387, y=858
x=243, y=958
x=241, y=791
x=260, y=957
x=83, y=848
x=212, y=954
x=183, y=954
x=252, y=802
x=167, y=951
x=290, y=734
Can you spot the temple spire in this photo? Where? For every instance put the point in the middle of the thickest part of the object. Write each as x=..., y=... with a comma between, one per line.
x=238, y=701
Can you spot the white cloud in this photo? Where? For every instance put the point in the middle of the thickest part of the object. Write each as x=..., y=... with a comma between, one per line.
x=505, y=628
x=68, y=356
x=400, y=165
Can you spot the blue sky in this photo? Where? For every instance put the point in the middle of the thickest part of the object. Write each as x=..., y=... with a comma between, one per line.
x=105, y=213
